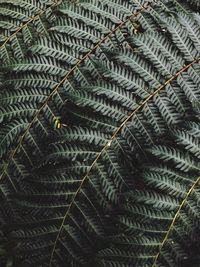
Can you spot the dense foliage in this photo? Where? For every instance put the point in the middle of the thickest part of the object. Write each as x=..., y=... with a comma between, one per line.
x=56, y=208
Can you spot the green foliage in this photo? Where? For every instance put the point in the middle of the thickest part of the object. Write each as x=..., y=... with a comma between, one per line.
x=125, y=206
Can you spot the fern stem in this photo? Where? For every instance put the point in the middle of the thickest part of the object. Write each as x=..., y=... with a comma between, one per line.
x=174, y=219
x=29, y=21
x=104, y=148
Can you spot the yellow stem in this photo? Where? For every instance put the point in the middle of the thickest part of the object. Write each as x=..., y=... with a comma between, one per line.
x=174, y=219
x=35, y=17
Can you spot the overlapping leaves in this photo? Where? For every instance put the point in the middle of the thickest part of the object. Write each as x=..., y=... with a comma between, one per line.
x=125, y=207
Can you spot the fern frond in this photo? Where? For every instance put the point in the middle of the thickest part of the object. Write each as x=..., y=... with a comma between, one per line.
x=45, y=65
x=54, y=50
x=123, y=77
x=183, y=162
